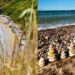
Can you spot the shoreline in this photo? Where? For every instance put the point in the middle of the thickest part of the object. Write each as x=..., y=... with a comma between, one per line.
x=55, y=26
x=42, y=34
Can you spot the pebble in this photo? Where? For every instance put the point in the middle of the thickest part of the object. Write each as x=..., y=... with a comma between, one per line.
x=51, y=53
x=41, y=62
x=71, y=49
x=61, y=38
x=63, y=54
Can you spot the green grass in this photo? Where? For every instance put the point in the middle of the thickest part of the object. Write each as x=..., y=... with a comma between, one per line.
x=14, y=8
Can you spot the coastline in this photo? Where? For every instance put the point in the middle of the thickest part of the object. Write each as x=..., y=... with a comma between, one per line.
x=53, y=31
x=55, y=26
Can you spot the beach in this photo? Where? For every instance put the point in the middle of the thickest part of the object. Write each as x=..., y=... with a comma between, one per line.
x=61, y=36
x=55, y=26
x=42, y=34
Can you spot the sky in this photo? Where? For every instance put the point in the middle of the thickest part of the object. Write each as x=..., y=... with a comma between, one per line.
x=56, y=4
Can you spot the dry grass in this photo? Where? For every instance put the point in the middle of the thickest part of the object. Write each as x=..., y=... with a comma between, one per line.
x=22, y=62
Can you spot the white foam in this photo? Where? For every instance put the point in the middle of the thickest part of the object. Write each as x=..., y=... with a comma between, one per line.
x=54, y=26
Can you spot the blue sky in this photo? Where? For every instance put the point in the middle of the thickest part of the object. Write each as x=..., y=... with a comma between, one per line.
x=56, y=4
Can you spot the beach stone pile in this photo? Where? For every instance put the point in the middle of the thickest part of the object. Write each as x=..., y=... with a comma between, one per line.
x=63, y=38
x=61, y=67
x=5, y=20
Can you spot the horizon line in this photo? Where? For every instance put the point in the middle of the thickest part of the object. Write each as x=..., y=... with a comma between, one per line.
x=58, y=10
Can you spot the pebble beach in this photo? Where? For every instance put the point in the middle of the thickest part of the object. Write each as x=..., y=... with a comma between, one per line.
x=61, y=36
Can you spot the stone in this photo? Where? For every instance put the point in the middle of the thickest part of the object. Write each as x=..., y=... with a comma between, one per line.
x=51, y=53
x=71, y=49
x=41, y=62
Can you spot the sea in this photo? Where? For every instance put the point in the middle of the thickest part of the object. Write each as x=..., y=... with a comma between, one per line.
x=55, y=18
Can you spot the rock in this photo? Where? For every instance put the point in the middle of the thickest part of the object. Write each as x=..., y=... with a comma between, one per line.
x=7, y=22
x=41, y=62
x=63, y=55
x=63, y=67
x=51, y=53
x=71, y=49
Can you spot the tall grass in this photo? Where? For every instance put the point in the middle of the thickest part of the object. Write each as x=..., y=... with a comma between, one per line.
x=23, y=62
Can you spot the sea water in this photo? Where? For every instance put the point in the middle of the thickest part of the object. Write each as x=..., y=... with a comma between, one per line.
x=53, y=19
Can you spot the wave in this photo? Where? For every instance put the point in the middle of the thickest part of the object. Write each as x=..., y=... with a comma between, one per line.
x=49, y=26
x=46, y=20
x=54, y=19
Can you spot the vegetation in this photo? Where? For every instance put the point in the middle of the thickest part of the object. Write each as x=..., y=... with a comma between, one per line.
x=14, y=8
x=21, y=62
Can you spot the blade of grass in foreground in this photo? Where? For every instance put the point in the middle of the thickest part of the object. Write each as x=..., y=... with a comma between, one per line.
x=24, y=62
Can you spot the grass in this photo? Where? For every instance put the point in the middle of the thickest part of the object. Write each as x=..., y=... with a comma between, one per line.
x=14, y=8
x=22, y=62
